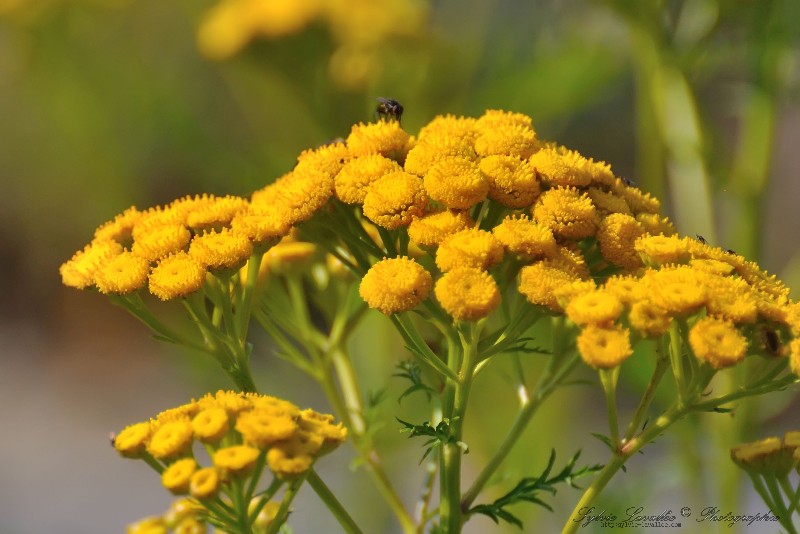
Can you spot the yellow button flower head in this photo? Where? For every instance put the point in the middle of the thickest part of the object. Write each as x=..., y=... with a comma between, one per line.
x=497, y=118
x=718, y=342
x=236, y=459
x=559, y=166
x=382, y=137
x=215, y=211
x=190, y=525
x=432, y=229
x=654, y=224
x=512, y=180
x=395, y=199
x=456, y=182
x=469, y=248
x=508, y=140
x=289, y=255
x=131, y=442
x=794, y=355
x=570, y=259
x=122, y=274
x=221, y=250
x=294, y=455
x=639, y=201
x=322, y=425
x=329, y=158
x=357, y=174
x=449, y=127
x=263, y=225
x=616, y=236
x=171, y=439
x=678, y=290
x=262, y=428
x=299, y=194
x=604, y=347
x=601, y=173
x=80, y=270
x=177, y=275
x=628, y=289
x=520, y=235
x=661, y=249
x=607, y=203
x=158, y=216
x=148, y=525
x=467, y=293
x=204, y=483
x=120, y=228
x=539, y=281
x=730, y=298
x=648, y=319
x=425, y=154
x=395, y=285
x=210, y=425
x=177, y=476
x=566, y=293
x=596, y=307
x=161, y=241
x=567, y=212
x=711, y=266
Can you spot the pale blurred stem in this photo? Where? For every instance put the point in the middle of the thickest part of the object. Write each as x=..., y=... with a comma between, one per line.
x=220, y=510
x=676, y=359
x=431, y=467
x=264, y=498
x=333, y=504
x=788, y=490
x=662, y=364
x=608, y=379
x=255, y=476
x=220, y=289
x=761, y=489
x=135, y=306
x=780, y=506
x=249, y=287
x=288, y=497
x=549, y=382
x=350, y=388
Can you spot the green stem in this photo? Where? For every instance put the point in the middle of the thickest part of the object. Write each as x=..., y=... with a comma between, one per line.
x=333, y=504
x=780, y=507
x=676, y=359
x=662, y=364
x=283, y=512
x=608, y=378
x=425, y=496
x=244, y=312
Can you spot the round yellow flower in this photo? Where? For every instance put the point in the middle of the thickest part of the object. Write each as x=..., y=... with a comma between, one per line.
x=204, y=483
x=236, y=459
x=351, y=184
x=215, y=211
x=679, y=297
x=654, y=224
x=603, y=347
x=467, y=293
x=329, y=158
x=294, y=455
x=596, y=307
x=638, y=200
x=449, y=127
x=608, y=203
x=322, y=425
x=176, y=276
x=616, y=236
x=262, y=428
x=456, y=182
x=428, y=152
x=382, y=137
x=177, y=476
x=730, y=298
x=210, y=425
x=430, y=230
x=469, y=248
x=122, y=274
x=161, y=241
x=148, y=525
x=661, y=249
x=558, y=166
x=627, y=289
x=717, y=342
x=567, y=212
x=190, y=525
x=512, y=180
x=298, y=194
x=171, y=439
x=794, y=355
x=648, y=319
x=395, y=285
x=539, y=281
x=120, y=228
x=131, y=442
x=520, y=235
x=221, y=250
x=395, y=199
x=498, y=118
x=80, y=270
x=158, y=216
x=507, y=140
x=263, y=225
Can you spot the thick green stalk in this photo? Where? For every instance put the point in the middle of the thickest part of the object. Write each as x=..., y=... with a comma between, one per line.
x=662, y=364
x=333, y=504
x=288, y=497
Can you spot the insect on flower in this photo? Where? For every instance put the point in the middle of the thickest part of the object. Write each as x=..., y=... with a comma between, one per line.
x=389, y=108
x=771, y=341
x=112, y=437
x=701, y=239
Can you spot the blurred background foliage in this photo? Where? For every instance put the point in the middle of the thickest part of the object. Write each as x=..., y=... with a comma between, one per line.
x=110, y=103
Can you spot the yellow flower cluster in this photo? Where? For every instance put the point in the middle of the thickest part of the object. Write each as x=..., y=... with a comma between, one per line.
x=239, y=431
x=188, y=516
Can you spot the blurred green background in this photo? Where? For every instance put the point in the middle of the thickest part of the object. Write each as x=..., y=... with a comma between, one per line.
x=110, y=103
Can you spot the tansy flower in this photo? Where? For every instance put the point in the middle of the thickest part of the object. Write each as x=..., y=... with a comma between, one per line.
x=395, y=199
x=570, y=259
x=638, y=200
x=660, y=249
x=395, y=285
x=263, y=225
x=449, y=127
x=148, y=525
x=289, y=255
x=351, y=183
x=184, y=412
x=595, y=307
x=430, y=230
x=616, y=236
x=497, y=118
x=122, y=274
x=80, y=270
x=262, y=428
x=678, y=290
x=176, y=276
x=204, y=483
x=564, y=294
x=654, y=224
x=382, y=137
x=561, y=167
x=567, y=212
x=627, y=289
x=717, y=341
x=794, y=355
x=469, y=248
x=190, y=525
x=235, y=459
x=426, y=154
x=512, y=180
x=294, y=455
x=730, y=298
x=210, y=425
x=456, y=182
x=215, y=211
x=221, y=250
x=322, y=425
x=648, y=319
x=604, y=347
x=158, y=216
x=606, y=203
x=171, y=439
x=711, y=266
x=177, y=476
x=601, y=173
x=539, y=281
x=120, y=228
x=161, y=241
x=467, y=293
x=509, y=140
x=329, y=158
x=520, y=235
x=131, y=442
